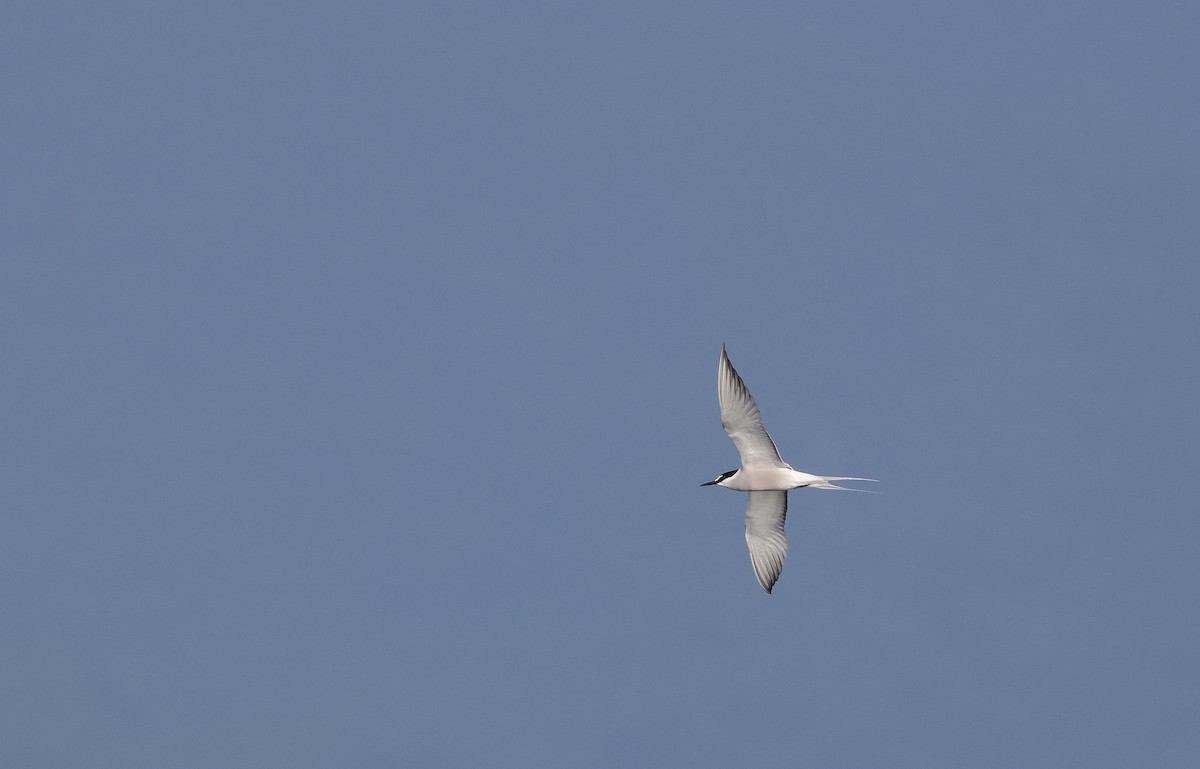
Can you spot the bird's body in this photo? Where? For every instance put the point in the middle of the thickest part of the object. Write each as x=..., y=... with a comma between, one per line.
x=770, y=478
x=763, y=474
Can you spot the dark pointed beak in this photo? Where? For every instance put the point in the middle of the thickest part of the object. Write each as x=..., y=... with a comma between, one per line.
x=710, y=483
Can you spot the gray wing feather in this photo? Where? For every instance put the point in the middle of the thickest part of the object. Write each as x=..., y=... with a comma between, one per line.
x=741, y=419
x=766, y=513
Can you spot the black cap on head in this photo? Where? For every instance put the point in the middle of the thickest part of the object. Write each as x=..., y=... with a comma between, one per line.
x=720, y=478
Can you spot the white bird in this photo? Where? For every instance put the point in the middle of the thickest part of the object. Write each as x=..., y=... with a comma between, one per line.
x=763, y=474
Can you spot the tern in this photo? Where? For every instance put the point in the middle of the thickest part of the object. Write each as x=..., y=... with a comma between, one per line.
x=763, y=475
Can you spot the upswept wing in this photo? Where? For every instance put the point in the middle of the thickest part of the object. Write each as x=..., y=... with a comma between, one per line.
x=741, y=419
x=765, y=537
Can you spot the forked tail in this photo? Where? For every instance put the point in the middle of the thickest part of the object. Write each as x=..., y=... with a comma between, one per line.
x=823, y=482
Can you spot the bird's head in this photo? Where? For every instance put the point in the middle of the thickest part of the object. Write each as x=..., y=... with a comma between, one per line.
x=722, y=477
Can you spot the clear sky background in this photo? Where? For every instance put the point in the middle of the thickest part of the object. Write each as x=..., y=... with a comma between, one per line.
x=359, y=377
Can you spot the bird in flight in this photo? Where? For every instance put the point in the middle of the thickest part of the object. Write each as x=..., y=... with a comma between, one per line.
x=763, y=475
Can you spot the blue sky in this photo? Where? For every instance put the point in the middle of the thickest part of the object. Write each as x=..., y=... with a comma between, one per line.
x=359, y=379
